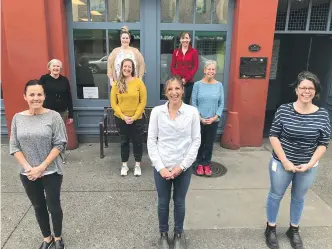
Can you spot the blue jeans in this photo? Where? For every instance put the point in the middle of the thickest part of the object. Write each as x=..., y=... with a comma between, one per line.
x=280, y=180
x=164, y=189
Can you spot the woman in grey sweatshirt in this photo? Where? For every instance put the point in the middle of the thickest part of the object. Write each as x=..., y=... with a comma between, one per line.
x=38, y=137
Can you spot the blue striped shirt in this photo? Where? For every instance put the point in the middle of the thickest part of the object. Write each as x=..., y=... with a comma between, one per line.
x=300, y=134
x=208, y=99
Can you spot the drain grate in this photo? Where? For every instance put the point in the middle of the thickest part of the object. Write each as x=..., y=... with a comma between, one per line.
x=218, y=170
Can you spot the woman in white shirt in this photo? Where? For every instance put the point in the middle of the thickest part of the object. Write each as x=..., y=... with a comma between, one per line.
x=124, y=52
x=173, y=141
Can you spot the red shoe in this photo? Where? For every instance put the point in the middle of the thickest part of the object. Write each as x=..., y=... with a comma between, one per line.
x=199, y=170
x=207, y=170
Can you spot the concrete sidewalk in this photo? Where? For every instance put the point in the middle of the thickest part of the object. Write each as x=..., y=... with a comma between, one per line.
x=107, y=211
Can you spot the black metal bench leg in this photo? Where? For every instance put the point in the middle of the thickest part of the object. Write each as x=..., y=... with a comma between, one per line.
x=101, y=137
x=106, y=140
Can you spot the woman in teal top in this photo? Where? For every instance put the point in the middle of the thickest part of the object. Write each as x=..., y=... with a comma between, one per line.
x=208, y=98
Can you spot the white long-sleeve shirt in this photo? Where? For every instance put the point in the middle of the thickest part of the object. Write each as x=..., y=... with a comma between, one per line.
x=173, y=142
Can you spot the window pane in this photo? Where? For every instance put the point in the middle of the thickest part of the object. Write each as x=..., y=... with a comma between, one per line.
x=220, y=11
x=203, y=11
x=132, y=10
x=186, y=11
x=319, y=15
x=168, y=10
x=114, y=11
x=91, y=61
x=281, y=15
x=169, y=40
x=211, y=46
x=79, y=10
x=298, y=15
x=114, y=39
x=97, y=10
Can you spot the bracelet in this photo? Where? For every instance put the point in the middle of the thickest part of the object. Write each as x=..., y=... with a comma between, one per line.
x=183, y=168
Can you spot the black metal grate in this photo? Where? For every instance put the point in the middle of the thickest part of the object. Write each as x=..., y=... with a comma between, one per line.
x=319, y=16
x=217, y=169
x=281, y=15
x=298, y=15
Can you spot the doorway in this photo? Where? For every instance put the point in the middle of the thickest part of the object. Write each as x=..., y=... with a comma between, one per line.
x=292, y=54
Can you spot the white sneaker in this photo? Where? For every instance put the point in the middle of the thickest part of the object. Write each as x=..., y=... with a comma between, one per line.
x=124, y=170
x=137, y=171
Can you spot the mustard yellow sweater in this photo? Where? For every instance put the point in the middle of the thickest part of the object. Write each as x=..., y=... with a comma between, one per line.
x=130, y=103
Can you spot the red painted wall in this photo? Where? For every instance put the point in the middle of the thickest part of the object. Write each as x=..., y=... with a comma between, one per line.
x=29, y=40
x=24, y=50
x=254, y=23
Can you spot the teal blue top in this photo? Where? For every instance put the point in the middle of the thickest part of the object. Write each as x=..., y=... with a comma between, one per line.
x=208, y=98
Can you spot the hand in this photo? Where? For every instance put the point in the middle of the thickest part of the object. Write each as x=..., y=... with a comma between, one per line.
x=288, y=166
x=70, y=121
x=203, y=121
x=35, y=172
x=176, y=171
x=129, y=120
x=211, y=120
x=27, y=168
x=302, y=168
x=165, y=173
x=184, y=81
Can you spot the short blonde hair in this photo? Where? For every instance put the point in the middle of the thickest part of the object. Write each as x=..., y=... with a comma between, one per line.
x=210, y=62
x=51, y=62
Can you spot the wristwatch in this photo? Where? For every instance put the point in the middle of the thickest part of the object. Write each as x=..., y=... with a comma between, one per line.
x=183, y=168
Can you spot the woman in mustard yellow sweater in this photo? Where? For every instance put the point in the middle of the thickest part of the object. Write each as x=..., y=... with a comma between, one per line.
x=128, y=100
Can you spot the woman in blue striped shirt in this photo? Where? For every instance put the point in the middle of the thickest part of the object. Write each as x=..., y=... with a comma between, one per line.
x=208, y=98
x=299, y=135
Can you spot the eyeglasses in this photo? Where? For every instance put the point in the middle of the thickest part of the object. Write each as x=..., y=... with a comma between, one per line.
x=310, y=89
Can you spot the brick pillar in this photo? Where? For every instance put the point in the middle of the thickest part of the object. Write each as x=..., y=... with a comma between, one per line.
x=254, y=23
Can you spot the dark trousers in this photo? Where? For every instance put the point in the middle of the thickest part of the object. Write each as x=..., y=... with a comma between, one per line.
x=208, y=135
x=188, y=89
x=133, y=132
x=48, y=186
x=164, y=189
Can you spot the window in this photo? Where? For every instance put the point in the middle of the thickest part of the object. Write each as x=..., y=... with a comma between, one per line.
x=80, y=10
x=106, y=10
x=91, y=58
x=194, y=11
x=210, y=46
x=91, y=61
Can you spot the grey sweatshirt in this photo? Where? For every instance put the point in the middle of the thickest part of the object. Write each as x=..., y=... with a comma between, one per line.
x=36, y=135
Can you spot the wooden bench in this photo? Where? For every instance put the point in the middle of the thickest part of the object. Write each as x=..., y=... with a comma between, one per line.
x=107, y=126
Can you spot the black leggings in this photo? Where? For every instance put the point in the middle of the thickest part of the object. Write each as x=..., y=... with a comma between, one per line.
x=133, y=132
x=188, y=88
x=51, y=184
